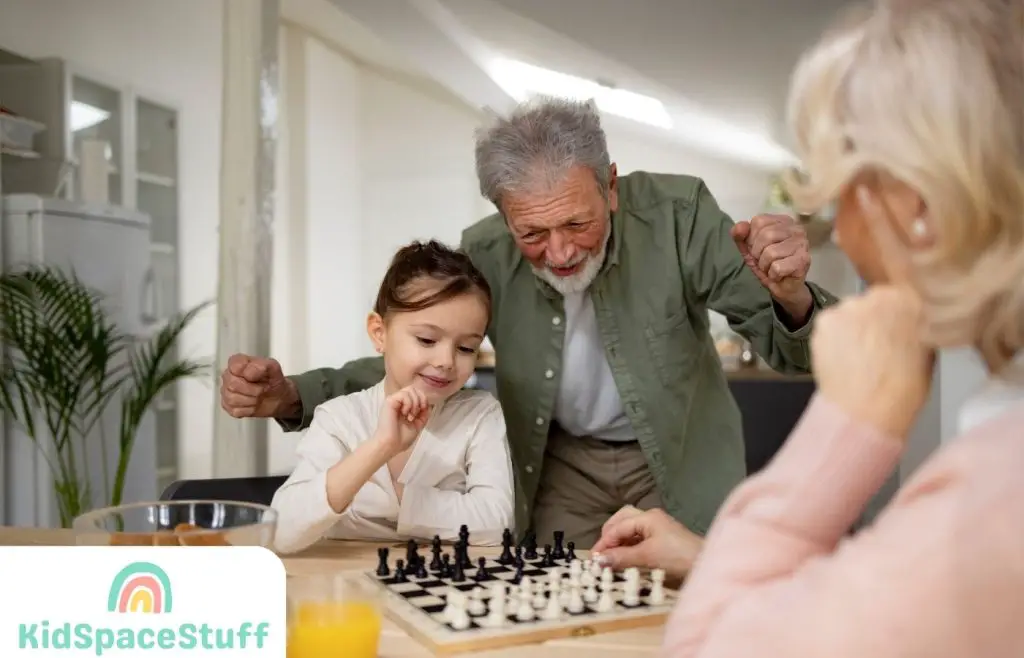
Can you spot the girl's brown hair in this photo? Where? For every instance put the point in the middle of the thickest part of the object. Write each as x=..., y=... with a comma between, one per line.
x=446, y=273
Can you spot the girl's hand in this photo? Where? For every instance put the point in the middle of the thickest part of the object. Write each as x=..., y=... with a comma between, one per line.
x=402, y=418
x=868, y=358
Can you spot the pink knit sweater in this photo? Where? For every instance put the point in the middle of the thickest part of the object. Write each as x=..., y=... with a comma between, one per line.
x=939, y=574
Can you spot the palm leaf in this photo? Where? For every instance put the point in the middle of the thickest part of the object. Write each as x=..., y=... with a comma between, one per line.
x=64, y=364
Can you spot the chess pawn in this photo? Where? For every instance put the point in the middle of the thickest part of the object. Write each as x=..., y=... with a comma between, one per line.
x=555, y=575
x=476, y=602
x=575, y=600
x=590, y=594
x=657, y=595
x=607, y=578
x=605, y=603
x=455, y=600
x=553, y=610
x=539, y=600
x=524, y=611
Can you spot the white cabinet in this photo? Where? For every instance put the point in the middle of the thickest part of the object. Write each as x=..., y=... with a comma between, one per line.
x=87, y=116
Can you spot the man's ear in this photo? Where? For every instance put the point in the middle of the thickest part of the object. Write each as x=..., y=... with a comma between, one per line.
x=613, y=187
x=376, y=331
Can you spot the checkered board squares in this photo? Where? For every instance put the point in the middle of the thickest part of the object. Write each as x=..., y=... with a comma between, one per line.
x=417, y=605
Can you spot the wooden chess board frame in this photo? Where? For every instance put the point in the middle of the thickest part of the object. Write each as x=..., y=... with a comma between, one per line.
x=442, y=640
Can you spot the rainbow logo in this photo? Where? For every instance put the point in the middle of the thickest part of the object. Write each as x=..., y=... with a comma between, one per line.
x=140, y=587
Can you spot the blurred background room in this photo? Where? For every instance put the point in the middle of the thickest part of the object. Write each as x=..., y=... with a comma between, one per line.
x=267, y=157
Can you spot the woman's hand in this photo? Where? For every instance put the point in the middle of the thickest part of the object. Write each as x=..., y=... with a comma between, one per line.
x=402, y=418
x=868, y=358
x=650, y=539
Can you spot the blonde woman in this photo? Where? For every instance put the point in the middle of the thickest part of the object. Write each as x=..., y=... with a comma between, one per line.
x=911, y=118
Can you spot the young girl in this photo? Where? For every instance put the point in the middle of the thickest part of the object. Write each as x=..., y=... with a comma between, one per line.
x=414, y=456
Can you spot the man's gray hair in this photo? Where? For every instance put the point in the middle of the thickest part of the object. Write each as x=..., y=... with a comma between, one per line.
x=535, y=146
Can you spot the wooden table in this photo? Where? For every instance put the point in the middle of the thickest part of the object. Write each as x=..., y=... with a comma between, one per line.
x=331, y=556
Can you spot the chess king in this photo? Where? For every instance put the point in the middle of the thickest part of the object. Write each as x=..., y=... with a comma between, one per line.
x=611, y=390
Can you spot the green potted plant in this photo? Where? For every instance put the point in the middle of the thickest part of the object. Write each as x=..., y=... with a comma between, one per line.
x=65, y=363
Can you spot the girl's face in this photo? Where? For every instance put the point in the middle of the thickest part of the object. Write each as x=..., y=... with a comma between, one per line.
x=434, y=349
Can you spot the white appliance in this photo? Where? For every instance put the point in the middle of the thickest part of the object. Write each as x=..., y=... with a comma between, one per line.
x=108, y=248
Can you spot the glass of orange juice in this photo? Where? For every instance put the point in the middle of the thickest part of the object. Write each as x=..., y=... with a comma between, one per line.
x=332, y=615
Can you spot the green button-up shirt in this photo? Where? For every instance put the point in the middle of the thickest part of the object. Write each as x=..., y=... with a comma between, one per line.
x=670, y=259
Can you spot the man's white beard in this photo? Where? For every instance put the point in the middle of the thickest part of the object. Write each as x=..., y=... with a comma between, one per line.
x=580, y=281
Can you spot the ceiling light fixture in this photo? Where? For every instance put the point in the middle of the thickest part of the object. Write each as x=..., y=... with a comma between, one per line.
x=520, y=80
x=85, y=116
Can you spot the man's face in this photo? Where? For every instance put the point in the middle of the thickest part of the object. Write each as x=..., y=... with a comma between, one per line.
x=563, y=231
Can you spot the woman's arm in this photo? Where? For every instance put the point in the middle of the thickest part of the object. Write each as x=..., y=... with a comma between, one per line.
x=325, y=481
x=488, y=505
x=771, y=581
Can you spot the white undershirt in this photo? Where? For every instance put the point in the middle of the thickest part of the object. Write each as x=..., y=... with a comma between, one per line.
x=588, y=402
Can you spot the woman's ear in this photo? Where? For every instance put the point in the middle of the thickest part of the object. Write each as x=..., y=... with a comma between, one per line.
x=376, y=331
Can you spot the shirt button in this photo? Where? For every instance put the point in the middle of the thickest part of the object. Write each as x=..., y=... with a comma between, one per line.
x=549, y=374
x=529, y=469
x=556, y=320
x=540, y=421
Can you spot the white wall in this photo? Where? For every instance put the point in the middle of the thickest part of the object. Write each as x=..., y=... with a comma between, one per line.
x=172, y=51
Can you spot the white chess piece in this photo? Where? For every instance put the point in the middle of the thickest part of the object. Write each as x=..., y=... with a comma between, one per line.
x=553, y=610
x=539, y=600
x=496, y=615
x=524, y=611
x=575, y=600
x=452, y=601
x=657, y=596
x=555, y=575
x=607, y=578
x=595, y=565
x=476, y=602
x=590, y=594
x=575, y=568
x=605, y=603
x=457, y=615
x=587, y=579
x=526, y=587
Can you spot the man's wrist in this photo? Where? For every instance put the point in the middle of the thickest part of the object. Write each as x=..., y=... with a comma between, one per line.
x=798, y=308
x=290, y=408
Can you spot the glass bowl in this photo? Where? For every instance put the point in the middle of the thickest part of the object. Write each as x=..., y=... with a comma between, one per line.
x=178, y=523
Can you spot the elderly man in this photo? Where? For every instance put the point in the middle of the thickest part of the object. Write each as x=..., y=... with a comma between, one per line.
x=612, y=390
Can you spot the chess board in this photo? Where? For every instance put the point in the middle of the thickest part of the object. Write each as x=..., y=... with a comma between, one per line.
x=417, y=606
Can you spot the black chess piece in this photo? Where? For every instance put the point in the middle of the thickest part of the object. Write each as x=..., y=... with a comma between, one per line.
x=435, y=563
x=463, y=555
x=458, y=575
x=530, y=547
x=570, y=554
x=464, y=534
x=421, y=569
x=506, y=544
x=558, y=552
x=446, y=566
x=412, y=557
x=400, y=572
x=549, y=558
x=518, y=576
x=481, y=569
x=382, y=566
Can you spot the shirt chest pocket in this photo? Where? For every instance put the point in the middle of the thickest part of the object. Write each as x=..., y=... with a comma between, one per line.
x=673, y=347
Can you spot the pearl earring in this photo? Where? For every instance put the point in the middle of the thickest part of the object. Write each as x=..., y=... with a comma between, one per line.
x=919, y=228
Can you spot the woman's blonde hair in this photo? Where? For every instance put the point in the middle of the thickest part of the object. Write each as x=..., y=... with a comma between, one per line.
x=931, y=92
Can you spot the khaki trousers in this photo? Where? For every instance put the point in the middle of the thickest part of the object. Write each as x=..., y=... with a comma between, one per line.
x=584, y=481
